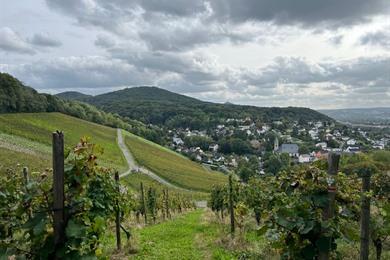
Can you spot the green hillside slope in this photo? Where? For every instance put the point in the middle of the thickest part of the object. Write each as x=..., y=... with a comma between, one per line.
x=25, y=140
x=172, y=166
x=37, y=128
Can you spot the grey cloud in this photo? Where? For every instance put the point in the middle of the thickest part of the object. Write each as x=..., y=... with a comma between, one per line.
x=44, y=40
x=287, y=81
x=180, y=25
x=364, y=74
x=104, y=41
x=78, y=72
x=307, y=13
x=193, y=71
x=378, y=38
x=192, y=33
x=174, y=7
x=336, y=40
x=11, y=41
x=162, y=25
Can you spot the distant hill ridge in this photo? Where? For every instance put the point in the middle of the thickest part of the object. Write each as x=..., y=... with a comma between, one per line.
x=73, y=95
x=162, y=107
x=376, y=115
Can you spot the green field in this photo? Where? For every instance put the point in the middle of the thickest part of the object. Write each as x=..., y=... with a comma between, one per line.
x=33, y=131
x=171, y=166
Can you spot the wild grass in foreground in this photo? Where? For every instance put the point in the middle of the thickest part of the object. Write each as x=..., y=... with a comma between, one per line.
x=171, y=166
x=194, y=235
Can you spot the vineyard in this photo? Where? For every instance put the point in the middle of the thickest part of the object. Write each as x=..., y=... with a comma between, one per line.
x=335, y=209
x=171, y=166
x=308, y=213
x=67, y=212
x=32, y=131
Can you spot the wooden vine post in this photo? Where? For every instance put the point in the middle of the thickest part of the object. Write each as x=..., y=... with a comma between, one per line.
x=365, y=218
x=333, y=168
x=58, y=190
x=117, y=217
x=165, y=207
x=167, y=204
x=231, y=206
x=143, y=206
x=26, y=177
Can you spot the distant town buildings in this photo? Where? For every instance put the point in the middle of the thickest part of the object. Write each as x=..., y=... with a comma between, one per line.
x=318, y=139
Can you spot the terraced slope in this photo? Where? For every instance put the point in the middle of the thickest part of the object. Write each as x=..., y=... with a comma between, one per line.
x=171, y=166
x=30, y=133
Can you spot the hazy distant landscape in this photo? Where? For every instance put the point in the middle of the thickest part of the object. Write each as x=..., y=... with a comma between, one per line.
x=370, y=116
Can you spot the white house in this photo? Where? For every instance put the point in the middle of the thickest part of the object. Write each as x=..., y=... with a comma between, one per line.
x=352, y=149
x=337, y=133
x=233, y=162
x=313, y=134
x=214, y=147
x=329, y=136
x=304, y=158
x=177, y=141
x=351, y=142
x=244, y=127
x=322, y=145
x=378, y=146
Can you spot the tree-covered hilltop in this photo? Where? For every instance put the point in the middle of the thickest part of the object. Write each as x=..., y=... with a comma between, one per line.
x=73, y=95
x=16, y=97
x=161, y=107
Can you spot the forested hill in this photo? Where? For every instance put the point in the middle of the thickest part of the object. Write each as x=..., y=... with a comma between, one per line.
x=73, y=95
x=158, y=106
x=16, y=97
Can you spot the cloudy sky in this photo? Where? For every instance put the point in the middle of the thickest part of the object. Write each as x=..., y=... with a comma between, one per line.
x=318, y=54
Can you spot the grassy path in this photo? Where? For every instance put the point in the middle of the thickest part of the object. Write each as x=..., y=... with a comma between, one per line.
x=186, y=237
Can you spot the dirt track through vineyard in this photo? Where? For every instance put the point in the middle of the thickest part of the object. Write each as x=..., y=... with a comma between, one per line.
x=133, y=167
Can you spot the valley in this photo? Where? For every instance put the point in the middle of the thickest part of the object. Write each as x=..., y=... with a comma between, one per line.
x=191, y=130
x=205, y=181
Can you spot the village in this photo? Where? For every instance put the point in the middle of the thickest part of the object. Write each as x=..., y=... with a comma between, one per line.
x=303, y=142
